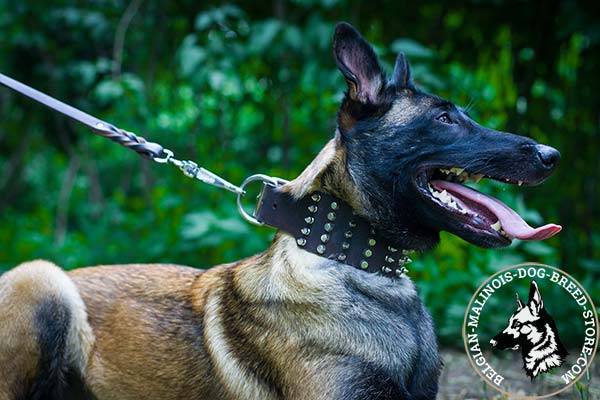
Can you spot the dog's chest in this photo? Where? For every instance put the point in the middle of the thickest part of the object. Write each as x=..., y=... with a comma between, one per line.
x=378, y=323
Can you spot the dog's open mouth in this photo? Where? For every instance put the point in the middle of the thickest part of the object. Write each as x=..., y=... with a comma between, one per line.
x=479, y=212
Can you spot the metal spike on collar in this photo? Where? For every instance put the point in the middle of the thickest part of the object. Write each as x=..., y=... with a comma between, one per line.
x=404, y=260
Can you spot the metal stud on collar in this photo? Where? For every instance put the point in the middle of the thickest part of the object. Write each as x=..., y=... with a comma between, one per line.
x=319, y=234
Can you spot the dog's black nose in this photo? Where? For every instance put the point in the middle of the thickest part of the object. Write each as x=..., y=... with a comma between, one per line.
x=549, y=156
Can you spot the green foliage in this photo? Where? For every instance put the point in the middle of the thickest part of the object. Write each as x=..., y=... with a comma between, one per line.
x=245, y=88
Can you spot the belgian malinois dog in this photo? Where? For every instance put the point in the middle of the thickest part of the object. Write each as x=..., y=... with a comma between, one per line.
x=531, y=329
x=286, y=323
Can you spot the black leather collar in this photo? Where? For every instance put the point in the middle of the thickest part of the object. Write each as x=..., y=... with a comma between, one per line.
x=328, y=227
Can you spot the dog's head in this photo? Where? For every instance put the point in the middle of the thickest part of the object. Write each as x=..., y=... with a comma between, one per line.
x=407, y=153
x=526, y=325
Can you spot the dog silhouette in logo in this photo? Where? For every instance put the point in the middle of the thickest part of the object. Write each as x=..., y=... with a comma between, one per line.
x=532, y=330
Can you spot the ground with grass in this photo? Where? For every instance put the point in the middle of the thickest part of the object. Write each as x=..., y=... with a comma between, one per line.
x=460, y=382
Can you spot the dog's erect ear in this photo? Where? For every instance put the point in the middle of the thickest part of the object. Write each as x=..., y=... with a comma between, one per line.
x=535, y=302
x=519, y=302
x=359, y=64
x=401, y=78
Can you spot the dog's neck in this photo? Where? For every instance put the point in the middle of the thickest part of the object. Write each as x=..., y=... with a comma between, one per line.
x=329, y=172
x=327, y=216
x=287, y=273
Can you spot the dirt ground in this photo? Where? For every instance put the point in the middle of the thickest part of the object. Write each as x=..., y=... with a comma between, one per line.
x=460, y=382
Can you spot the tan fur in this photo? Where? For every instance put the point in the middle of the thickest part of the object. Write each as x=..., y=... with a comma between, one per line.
x=328, y=172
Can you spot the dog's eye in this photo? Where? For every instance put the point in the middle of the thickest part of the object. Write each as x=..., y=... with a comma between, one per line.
x=517, y=325
x=445, y=119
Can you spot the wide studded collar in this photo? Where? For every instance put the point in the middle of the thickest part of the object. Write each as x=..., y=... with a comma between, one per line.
x=328, y=227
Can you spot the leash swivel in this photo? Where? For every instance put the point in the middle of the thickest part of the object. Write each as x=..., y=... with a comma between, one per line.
x=192, y=170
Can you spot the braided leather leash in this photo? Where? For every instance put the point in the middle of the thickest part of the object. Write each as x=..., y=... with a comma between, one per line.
x=150, y=150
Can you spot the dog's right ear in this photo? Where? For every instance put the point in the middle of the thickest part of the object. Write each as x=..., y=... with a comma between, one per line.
x=401, y=78
x=358, y=63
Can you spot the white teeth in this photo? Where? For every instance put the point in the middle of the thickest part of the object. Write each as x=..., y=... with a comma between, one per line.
x=457, y=170
x=507, y=180
x=497, y=226
x=520, y=183
x=445, y=198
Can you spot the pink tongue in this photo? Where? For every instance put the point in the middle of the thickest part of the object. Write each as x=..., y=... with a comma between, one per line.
x=511, y=222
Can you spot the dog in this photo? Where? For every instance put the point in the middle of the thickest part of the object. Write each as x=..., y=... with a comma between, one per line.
x=286, y=323
x=534, y=331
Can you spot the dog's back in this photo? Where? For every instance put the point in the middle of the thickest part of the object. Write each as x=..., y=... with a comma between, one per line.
x=172, y=332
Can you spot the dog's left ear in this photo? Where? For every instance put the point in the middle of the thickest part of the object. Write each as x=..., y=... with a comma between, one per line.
x=401, y=78
x=535, y=302
x=358, y=63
